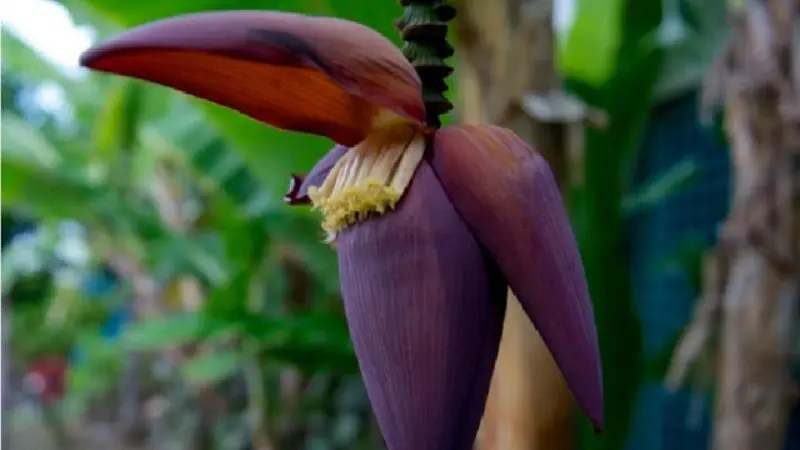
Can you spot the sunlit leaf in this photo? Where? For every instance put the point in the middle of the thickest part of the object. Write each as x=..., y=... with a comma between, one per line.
x=588, y=52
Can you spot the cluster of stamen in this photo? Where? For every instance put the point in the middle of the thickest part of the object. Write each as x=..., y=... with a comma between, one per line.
x=370, y=178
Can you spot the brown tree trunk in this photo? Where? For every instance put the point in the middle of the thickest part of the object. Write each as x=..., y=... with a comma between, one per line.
x=751, y=292
x=760, y=78
x=507, y=56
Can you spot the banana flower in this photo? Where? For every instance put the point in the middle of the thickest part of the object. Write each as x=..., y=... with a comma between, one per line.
x=431, y=226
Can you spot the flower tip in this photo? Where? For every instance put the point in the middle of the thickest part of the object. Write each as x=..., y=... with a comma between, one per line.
x=293, y=195
x=598, y=421
x=93, y=57
x=588, y=392
x=86, y=58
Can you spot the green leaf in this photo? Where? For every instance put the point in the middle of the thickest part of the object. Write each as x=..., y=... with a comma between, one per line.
x=43, y=193
x=177, y=254
x=211, y=367
x=228, y=302
x=129, y=14
x=161, y=332
x=272, y=154
x=601, y=229
x=26, y=142
x=588, y=51
x=118, y=120
x=186, y=133
x=314, y=342
x=662, y=186
x=49, y=182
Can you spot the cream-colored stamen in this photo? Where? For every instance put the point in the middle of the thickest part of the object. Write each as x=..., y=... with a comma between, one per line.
x=370, y=178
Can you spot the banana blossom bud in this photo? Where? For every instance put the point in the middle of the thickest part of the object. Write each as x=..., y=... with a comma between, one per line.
x=431, y=226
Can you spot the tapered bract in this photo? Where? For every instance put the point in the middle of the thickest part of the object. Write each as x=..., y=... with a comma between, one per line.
x=425, y=309
x=507, y=195
x=311, y=74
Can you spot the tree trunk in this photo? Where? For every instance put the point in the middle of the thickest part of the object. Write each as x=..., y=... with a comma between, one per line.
x=751, y=286
x=760, y=78
x=506, y=55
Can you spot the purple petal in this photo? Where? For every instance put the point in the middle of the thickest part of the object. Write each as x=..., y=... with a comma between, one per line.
x=320, y=170
x=506, y=193
x=425, y=309
x=299, y=184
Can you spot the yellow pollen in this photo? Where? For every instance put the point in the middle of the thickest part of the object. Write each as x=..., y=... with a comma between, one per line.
x=370, y=178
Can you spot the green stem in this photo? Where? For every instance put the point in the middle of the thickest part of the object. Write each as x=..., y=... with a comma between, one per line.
x=424, y=30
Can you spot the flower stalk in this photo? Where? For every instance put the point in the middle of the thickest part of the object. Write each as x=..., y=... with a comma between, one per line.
x=424, y=30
